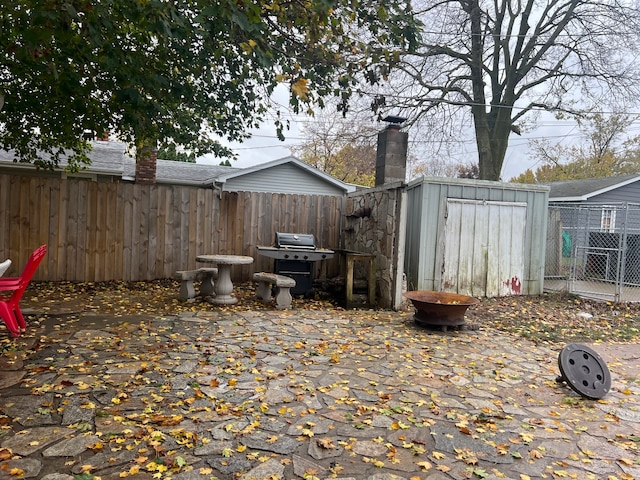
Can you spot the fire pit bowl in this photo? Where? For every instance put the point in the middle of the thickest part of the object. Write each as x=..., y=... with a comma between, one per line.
x=440, y=308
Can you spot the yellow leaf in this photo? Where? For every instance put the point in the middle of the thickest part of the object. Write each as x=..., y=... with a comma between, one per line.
x=438, y=455
x=325, y=443
x=443, y=468
x=524, y=477
x=241, y=448
x=425, y=466
x=264, y=407
x=626, y=461
x=527, y=437
x=300, y=88
x=16, y=472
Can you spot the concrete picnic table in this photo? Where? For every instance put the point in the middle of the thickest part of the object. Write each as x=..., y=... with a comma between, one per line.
x=224, y=286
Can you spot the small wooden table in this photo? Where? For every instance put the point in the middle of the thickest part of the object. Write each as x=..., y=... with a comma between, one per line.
x=224, y=286
x=351, y=258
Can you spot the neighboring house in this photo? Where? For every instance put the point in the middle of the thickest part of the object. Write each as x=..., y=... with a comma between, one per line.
x=602, y=194
x=110, y=162
x=594, y=229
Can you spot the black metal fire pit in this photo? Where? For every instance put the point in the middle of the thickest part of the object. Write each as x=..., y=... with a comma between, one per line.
x=294, y=254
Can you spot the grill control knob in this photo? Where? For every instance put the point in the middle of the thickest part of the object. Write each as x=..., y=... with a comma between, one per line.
x=306, y=257
x=295, y=256
x=286, y=255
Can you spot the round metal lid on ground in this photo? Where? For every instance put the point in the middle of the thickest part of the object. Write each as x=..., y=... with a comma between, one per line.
x=584, y=371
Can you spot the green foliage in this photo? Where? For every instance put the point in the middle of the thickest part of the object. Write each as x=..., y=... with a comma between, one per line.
x=180, y=72
x=171, y=153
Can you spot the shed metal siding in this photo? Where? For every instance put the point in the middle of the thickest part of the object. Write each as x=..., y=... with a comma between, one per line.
x=285, y=178
x=425, y=247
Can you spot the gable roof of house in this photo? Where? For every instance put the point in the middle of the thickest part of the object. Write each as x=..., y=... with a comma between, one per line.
x=111, y=158
x=582, y=190
x=291, y=161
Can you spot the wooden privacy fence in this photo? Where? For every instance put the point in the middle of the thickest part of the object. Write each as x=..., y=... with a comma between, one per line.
x=99, y=231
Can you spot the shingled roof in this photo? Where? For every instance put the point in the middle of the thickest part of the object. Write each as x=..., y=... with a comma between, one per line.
x=581, y=190
x=112, y=159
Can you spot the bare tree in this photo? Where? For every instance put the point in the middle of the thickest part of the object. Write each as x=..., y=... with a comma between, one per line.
x=607, y=150
x=504, y=60
x=342, y=146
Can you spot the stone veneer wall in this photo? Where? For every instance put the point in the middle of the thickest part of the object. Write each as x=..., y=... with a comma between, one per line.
x=375, y=223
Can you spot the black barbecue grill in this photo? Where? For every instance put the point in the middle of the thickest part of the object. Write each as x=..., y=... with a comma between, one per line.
x=294, y=254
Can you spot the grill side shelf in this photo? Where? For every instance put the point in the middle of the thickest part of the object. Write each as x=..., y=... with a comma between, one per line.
x=296, y=254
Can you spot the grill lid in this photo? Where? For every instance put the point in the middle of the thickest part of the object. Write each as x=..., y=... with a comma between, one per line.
x=295, y=240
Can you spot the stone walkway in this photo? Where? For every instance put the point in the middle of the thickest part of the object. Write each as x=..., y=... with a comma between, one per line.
x=302, y=394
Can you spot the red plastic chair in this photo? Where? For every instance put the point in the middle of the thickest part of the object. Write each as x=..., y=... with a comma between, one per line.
x=9, y=308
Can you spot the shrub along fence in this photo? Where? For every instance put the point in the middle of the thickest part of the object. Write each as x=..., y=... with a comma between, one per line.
x=99, y=231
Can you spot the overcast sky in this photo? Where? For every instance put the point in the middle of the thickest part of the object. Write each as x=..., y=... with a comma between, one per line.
x=264, y=146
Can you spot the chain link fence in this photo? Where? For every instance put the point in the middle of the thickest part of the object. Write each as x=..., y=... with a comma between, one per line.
x=593, y=250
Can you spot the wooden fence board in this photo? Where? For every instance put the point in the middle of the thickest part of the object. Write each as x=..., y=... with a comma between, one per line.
x=120, y=231
x=152, y=235
x=192, y=225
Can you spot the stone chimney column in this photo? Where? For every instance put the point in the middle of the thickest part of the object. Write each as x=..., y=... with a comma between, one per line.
x=146, y=165
x=391, y=155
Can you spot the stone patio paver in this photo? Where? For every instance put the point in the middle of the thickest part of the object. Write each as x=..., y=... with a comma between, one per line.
x=304, y=394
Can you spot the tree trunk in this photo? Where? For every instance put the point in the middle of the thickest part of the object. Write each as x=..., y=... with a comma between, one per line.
x=486, y=167
x=483, y=128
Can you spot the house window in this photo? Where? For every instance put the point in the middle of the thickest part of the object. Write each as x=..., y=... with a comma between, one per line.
x=608, y=220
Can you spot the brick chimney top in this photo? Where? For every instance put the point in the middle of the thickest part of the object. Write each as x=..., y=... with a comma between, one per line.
x=146, y=165
x=391, y=155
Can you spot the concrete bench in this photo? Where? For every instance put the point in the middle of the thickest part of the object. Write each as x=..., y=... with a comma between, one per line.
x=207, y=276
x=283, y=288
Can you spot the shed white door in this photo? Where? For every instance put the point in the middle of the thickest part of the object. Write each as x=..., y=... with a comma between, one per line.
x=484, y=247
